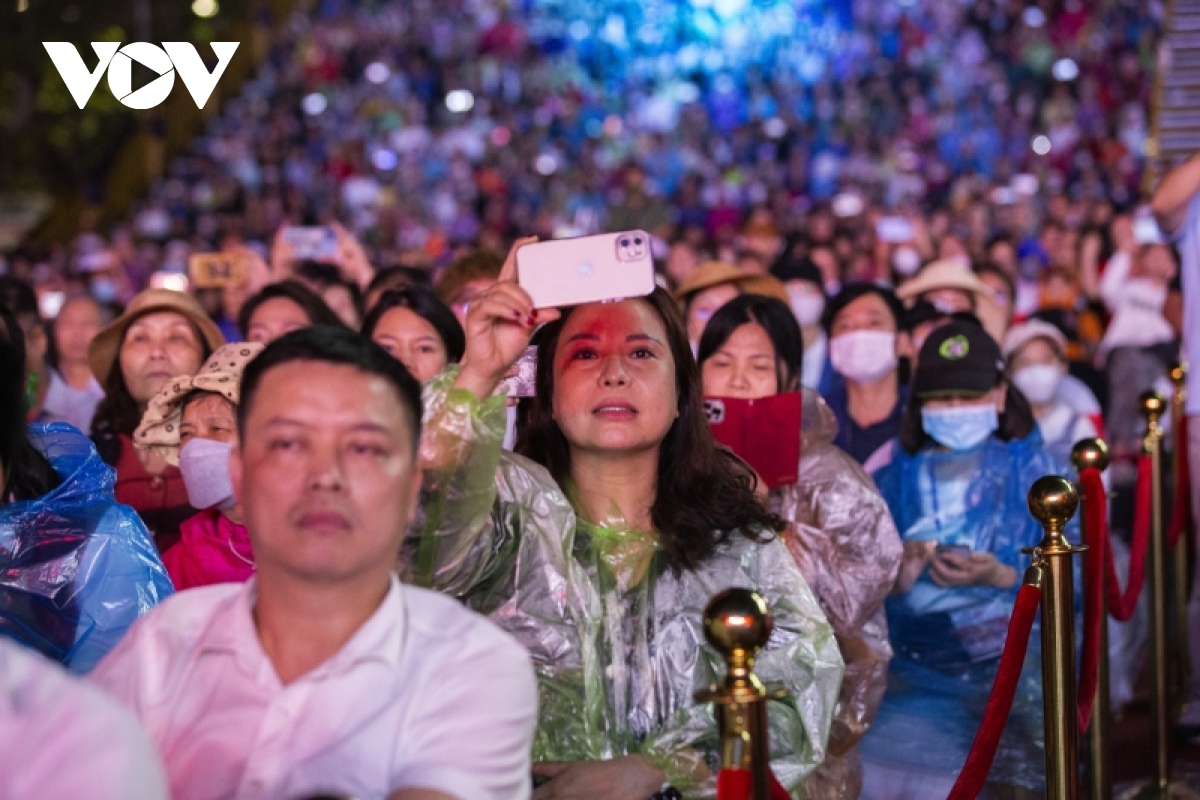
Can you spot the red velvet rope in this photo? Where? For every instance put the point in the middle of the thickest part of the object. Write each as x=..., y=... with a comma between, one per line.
x=735, y=783
x=1121, y=604
x=1094, y=612
x=1181, y=514
x=1004, y=688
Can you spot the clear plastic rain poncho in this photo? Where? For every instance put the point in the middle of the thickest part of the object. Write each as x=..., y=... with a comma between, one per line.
x=948, y=641
x=76, y=568
x=614, y=634
x=846, y=545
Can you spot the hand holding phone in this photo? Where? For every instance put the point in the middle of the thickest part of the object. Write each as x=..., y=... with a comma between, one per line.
x=765, y=433
x=587, y=269
x=499, y=324
x=959, y=550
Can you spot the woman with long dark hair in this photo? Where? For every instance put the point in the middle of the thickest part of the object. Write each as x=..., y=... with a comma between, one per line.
x=956, y=484
x=599, y=546
x=839, y=528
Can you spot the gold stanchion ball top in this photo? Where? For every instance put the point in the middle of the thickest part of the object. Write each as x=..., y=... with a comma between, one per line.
x=1152, y=404
x=1091, y=452
x=737, y=619
x=1052, y=500
x=1179, y=374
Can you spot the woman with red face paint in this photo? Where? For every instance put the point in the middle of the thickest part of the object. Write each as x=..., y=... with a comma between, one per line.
x=600, y=544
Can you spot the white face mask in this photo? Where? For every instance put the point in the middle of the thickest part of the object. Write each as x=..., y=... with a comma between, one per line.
x=1039, y=383
x=807, y=307
x=204, y=465
x=863, y=356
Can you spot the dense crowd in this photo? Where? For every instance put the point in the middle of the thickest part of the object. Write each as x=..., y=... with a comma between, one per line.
x=911, y=239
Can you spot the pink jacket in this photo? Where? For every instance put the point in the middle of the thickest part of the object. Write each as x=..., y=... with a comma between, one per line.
x=211, y=549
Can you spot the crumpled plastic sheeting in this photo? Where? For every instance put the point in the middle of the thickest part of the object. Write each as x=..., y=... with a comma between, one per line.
x=616, y=669
x=76, y=568
x=937, y=691
x=843, y=539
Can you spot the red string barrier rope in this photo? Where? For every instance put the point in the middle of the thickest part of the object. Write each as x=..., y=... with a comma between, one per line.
x=735, y=783
x=1181, y=514
x=1094, y=612
x=1122, y=604
x=1004, y=688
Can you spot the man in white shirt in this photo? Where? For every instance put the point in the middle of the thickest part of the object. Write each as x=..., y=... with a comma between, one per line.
x=324, y=674
x=60, y=737
x=1176, y=207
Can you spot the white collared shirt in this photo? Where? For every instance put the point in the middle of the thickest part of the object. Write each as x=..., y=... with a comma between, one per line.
x=60, y=737
x=426, y=694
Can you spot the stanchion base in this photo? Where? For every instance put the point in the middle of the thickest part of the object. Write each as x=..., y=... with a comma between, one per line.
x=1175, y=791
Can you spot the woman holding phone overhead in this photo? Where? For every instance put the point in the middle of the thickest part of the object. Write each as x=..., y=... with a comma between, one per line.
x=600, y=545
x=840, y=530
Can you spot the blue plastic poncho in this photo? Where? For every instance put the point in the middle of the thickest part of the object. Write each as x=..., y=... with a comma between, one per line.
x=76, y=567
x=947, y=641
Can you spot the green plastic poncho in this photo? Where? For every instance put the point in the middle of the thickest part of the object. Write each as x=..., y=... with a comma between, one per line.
x=615, y=634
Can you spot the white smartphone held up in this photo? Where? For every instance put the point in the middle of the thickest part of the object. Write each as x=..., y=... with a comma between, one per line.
x=589, y=269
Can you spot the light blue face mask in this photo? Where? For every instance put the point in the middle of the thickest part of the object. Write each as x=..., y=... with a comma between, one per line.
x=963, y=427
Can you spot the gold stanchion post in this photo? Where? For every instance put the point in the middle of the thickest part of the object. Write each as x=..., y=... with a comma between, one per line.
x=1094, y=453
x=1052, y=500
x=1152, y=407
x=1179, y=554
x=737, y=623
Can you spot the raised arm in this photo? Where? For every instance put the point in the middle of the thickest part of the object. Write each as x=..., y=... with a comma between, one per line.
x=1171, y=199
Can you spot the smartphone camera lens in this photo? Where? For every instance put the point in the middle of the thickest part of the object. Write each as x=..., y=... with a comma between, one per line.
x=624, y=243
x=638, y=241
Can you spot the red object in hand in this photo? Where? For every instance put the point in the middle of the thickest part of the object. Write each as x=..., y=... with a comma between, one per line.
x=1004, y=688
x=765, y=433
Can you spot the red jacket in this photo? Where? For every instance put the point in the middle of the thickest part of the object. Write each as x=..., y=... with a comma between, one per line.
x=160, y=500
x=212, y=549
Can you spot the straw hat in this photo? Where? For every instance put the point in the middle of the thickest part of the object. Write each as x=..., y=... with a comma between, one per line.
x=221, y=374
x=952, y=274
x=715, y=273
x=102, y=352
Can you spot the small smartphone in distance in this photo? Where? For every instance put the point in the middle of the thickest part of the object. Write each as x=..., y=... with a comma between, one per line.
x=587, y=269
x=315, y=242
x=960, y=550
x=894, y=230
x=216, y=270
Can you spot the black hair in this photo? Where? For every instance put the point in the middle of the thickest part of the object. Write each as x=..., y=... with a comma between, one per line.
x=317, y=311
x=326, y=276
x=332, y=345
x=775, y=318
x=397, y=278
x=26, y=473
x=705, y=494
x=424, y=302
x=854, y=291
x=18, y=297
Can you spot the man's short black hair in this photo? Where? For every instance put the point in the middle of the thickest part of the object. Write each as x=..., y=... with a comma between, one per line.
x=333, y=345
x=852, y=292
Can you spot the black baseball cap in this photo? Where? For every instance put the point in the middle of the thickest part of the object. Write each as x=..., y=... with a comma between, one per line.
x=799, y=269
x=959, y=358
